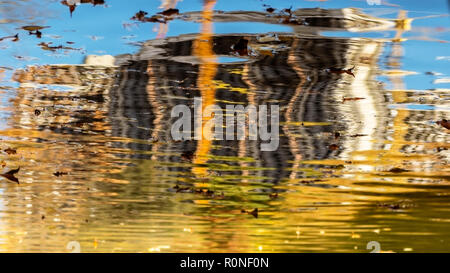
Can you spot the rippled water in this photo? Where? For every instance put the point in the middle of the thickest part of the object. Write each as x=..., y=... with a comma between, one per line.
x=360, y=158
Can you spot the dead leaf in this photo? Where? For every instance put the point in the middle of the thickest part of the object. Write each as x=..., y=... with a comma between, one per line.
x=351, y=99
x=10, y=175
x=169, y=12
x=336, y=135
x=187, y=156
x=141, y=17
x=398, y=170
x=333, y=147
x=241, y=47
x=13, y=38
x=33, y=28
x=444, y=123
x=254, y=213
x=342, y=71
x=10, y=151
x=58, y=174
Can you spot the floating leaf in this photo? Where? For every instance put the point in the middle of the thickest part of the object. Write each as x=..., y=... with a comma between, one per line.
x=141, y=17
x=333, y=147
x=33, y=28
x=187, y=156
x=169, y=12
x=10, y=151
x=254, y=213
x=241, y=47
x=58, y=174
x=273, y=195
x=13, y=38
x=351, y=99
x=342, y=71
x=444, y=123
x=397, y=170
x=10, y=175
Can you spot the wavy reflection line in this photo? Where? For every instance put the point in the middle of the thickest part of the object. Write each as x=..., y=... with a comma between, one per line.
x=203, y=49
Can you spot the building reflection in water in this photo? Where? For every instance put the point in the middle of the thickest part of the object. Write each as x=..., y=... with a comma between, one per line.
x=109, y=126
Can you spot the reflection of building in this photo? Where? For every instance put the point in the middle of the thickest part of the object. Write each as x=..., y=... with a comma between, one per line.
x=288, y=70
x=114, y=116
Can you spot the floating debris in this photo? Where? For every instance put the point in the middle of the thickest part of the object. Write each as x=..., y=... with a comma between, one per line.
x=444, y=123
x=72, y=4
x=58, y=174
x=13, y=38
x=241, y=47
x=170, y=12
x=30, y=29
x=398, y=170
x=333, y=147
x=344, y=99
x=141, y=17
x=357, y=135
x=10, y=151
x=402, y=204
x=342, y=71
x=10, y=175
x=47, y=46
x=253, y=212
x=188, y=156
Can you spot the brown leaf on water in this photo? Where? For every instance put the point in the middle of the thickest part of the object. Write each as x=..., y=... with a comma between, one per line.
x=351, y=99
x=10, y=151
x=58, y=174
x=72, y=7
x=38, y=34
x=10, y=175
x=188, y=156
x=342, y=71
x=402, y=204
x=444, y=123
x=141, y=16
x=333, y=147
x=49, y=47
x=33, y=28
x=182, y=189
x=288, y=11
x=13, y=38
x=241, y=47
x=254, y=213
x=398, y=170
x=170, y=12
x=358, y=135
x=273, y=195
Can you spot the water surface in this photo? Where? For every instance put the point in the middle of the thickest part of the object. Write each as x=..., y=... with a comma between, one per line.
x=87, y=106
